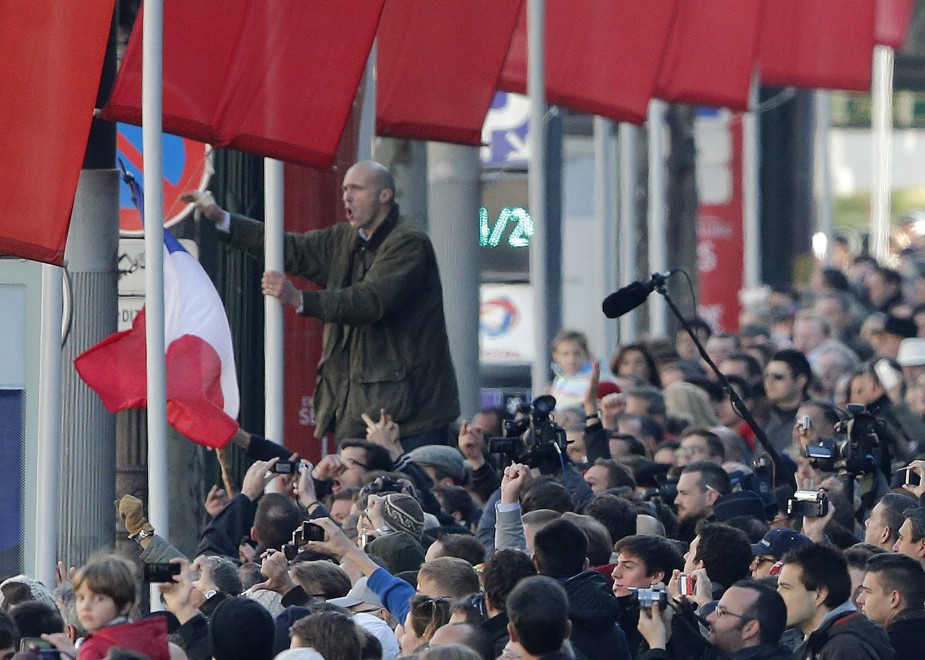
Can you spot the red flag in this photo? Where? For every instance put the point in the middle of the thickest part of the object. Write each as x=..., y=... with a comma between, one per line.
x=202, y=388
x=51, y=56
x=275, y=78
x=437, y=67
x=711, y=53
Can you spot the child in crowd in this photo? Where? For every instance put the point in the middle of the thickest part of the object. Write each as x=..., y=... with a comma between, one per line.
x=571, y=364
x=105, y=593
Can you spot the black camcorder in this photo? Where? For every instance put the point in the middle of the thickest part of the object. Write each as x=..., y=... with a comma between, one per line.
x=532, y=437
x=858, y=450
x=812, y=503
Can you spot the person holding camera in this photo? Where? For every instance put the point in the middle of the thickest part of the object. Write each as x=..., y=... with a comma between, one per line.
x=747, y=624
x=642, y=561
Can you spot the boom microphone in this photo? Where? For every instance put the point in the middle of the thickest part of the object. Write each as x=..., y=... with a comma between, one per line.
x=632, y=295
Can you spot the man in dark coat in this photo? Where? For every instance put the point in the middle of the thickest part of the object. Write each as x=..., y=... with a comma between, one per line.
x=385, y=340
x=560, y=551
x=816, y=587
x=893, y=595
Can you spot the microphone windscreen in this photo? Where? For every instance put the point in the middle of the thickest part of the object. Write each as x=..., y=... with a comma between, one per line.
x=626, y=299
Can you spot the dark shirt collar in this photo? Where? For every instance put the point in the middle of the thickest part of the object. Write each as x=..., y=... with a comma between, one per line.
x=381, y=232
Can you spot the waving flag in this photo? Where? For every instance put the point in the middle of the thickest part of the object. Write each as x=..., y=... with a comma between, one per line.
x=202, y=388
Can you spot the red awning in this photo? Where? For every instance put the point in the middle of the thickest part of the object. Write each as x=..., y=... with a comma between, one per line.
x=437, y=66
x=51, y=56
x=602, y=57
x=891, y=22
x=272, y=77
x=825, y=44
x=712, y=53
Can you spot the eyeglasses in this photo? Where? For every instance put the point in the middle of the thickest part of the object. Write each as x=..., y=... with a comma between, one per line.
x=356, y=463
x=773, y=376
x=760, y=560
x=722, y=611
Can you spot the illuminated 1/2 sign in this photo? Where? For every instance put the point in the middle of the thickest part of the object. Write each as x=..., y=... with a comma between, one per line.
x=520, y=235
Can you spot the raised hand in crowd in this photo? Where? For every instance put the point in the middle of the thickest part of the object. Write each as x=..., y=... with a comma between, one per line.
x=916, y=467
x=216, y=500
x=275, y=568
x=384, y=433
x=178, y=595
x=515, y=478
x=205, y=582
x=258, y=475
x=590, y=396
x=329, y=467
x=471, y=442
x=338, y=545
x=305, y=487
x=655, y=625
x=63, y=574
x=814, y=526
x=612, y=406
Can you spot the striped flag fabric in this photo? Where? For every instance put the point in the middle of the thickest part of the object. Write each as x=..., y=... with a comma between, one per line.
x=202, y=387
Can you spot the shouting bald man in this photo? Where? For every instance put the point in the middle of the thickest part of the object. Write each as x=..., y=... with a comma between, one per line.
x=385, y=342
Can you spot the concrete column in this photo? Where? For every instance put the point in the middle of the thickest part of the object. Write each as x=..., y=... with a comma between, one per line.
x=88, y=456
x=453, y=211
x=407, y=161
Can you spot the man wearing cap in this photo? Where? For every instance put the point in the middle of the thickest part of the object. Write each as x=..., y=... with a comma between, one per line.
x=911, y=357
x=443, y=464
x=770, y=549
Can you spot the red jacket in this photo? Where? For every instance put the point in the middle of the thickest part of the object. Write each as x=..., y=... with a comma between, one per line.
x=148, y=636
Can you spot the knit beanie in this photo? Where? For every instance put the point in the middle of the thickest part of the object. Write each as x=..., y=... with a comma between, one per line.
x=403, y=513
x=241, y=629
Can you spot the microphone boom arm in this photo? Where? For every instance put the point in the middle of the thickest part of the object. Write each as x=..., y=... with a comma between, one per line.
x=737, y=403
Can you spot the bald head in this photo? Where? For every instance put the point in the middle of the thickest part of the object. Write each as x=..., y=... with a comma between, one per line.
x=378, y=174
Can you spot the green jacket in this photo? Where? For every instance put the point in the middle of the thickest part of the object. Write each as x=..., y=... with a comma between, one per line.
x=385, y=343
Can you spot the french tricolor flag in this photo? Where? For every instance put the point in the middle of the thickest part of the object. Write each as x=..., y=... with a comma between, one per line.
x=202, y=387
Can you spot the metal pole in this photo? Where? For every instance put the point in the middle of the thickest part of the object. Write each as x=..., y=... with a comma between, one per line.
x=274, y=260
x=751, y=158
x=49, y=425
x=536, y=89
x=367, y=132
x=882, y=157
x=658, y=245
x=605, y=226
x=151, y=109
x=629, y=136
x=822, y=172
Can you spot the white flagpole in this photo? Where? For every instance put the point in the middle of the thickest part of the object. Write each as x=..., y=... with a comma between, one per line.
x=151, y=113
x=658, y=240
x=629, y=136
x=49, y=426
x=536, y=183
x=273, y=308
x=882, y=157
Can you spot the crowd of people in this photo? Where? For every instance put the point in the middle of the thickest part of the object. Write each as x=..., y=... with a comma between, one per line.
x=643, y=517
